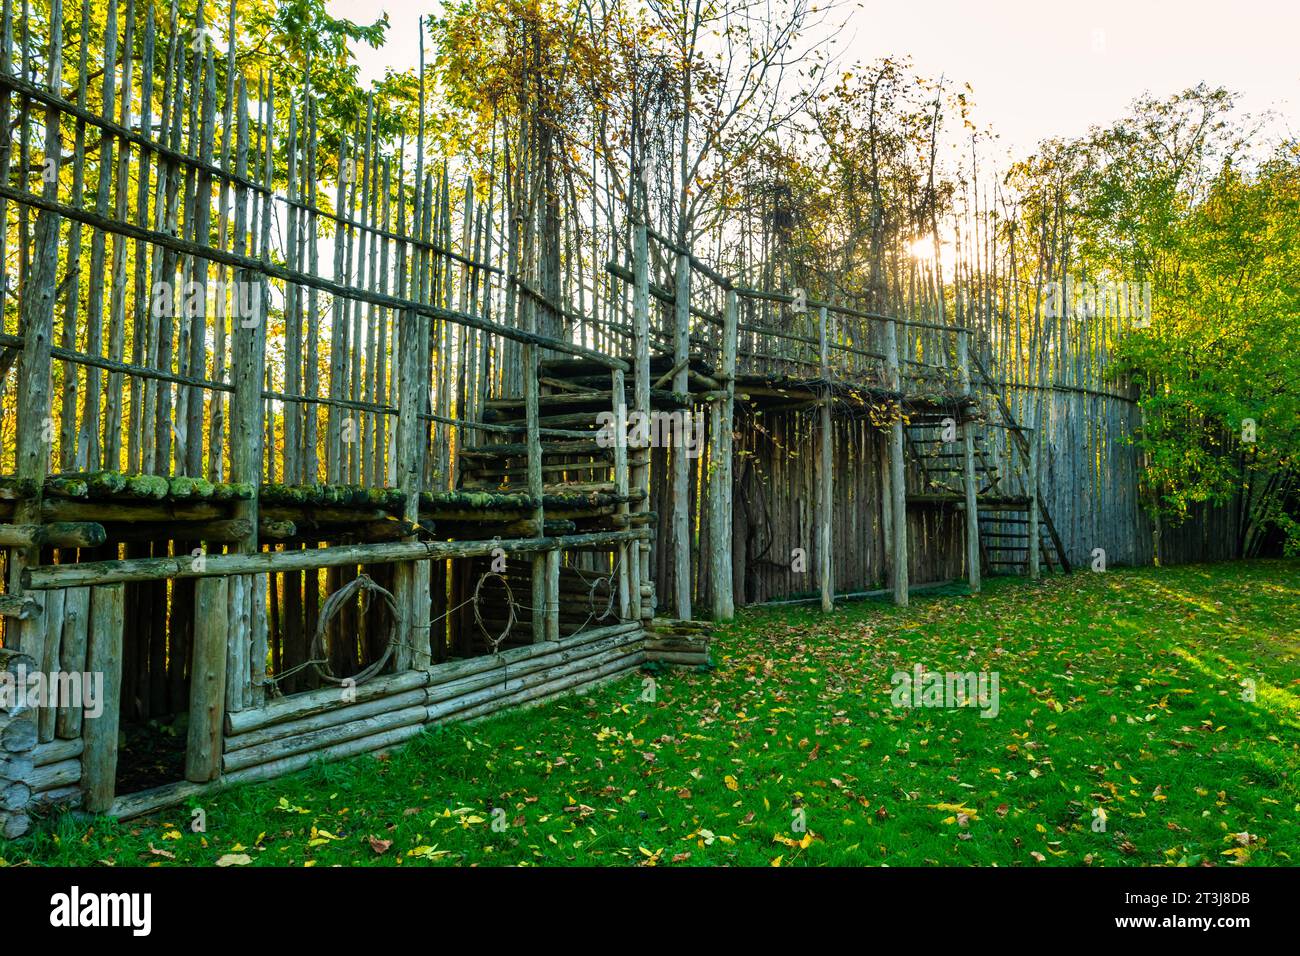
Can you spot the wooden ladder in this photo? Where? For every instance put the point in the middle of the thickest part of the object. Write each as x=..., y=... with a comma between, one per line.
x=1017, y=432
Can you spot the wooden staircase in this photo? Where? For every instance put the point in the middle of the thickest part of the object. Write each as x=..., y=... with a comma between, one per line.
x=1004, y=539
x=935, y=443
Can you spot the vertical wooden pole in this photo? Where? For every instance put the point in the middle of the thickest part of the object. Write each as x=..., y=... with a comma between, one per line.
x=540, y=590
x=724, y=601
x=247, y=449
x=117, y=310
x=641, y=381
x=35, y=426
x=6, y=143
x=410, y=463
x=72, y=656
x=553, y=594
x=52, y=618
x=409, y=458
x=103, y=657
x=897, y=470
x=88, y=454
x=543, y=565
x=619, y=401
x=969, y=484
x=825, y=485
x=1034, y=546
x=68, y=429
x=216, y=402
x=207, y=680
x=681, y=481
x=422, y=571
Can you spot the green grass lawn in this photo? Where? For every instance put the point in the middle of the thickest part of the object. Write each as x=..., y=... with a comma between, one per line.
x=1119, y=692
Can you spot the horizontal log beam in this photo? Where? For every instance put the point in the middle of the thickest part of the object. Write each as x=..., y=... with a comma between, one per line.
x=92, y=573
x=299, y=706
x=21, y=608
x=329, y=718
x=62, y=534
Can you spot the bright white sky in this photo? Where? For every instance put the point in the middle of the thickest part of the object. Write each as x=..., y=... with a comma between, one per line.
x=1038, y=69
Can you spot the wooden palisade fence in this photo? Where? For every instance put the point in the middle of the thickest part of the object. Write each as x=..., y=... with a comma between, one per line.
x=314, y=507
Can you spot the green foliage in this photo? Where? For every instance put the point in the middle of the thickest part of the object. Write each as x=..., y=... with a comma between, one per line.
x=1224, y=349
x=1173, y=194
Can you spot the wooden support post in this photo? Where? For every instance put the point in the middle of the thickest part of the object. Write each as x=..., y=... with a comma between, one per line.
x=825, y=484
x=49, y=663
x=411, y=579
x=641, y=346
x=681, y=480
x=541, y=568
x=720, y=505
x=1034, y=546
x=897, y=471
x=410, y=465
x=247, y=441
x=553, y=594
x=260, y=631
x=207, y=680
x=969, y=484
x=72, y=656
x=99, y=733
x=619, y=401
x=424, y=334
x=421, y=653
x=35, y=424
x=886, y=517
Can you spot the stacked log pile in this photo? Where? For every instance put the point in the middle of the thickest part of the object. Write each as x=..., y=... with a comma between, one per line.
x=18, y=734
x=464, y=690
x=670, y=641
x=56, y=772
x=333, y=722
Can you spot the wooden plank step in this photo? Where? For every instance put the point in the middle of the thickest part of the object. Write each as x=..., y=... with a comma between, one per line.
x=1009, y=503
x=551, y=401
x=521, y=471
x=576, y=421
x=520, y=449
x=580, y=488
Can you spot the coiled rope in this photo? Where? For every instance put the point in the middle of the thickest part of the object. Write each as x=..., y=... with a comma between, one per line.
x=333, y=604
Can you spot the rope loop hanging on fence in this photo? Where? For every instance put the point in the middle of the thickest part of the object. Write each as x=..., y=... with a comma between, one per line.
x=362, y=584
x=594, y=612
x=494, y=642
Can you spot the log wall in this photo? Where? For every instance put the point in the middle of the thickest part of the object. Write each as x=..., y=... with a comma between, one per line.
x=1089, y=476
